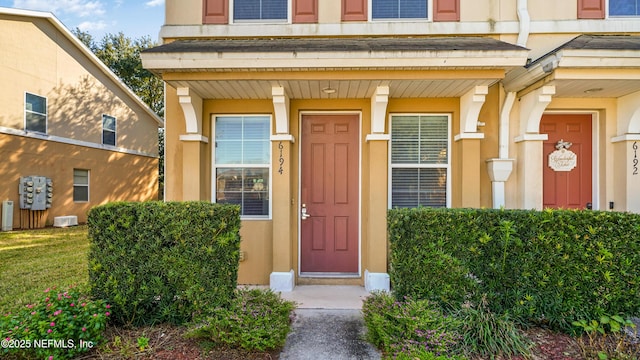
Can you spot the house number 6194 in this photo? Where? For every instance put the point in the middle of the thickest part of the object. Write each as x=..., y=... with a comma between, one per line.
x=635, y=158
x=281, y=158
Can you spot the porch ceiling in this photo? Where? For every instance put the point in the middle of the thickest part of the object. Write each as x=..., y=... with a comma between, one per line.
x=344, y=89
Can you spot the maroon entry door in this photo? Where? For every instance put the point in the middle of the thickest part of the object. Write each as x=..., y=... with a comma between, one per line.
x=568, y=189
x=329, y=224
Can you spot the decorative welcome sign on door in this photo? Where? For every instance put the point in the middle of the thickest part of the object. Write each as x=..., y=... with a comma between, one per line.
x=563, y=159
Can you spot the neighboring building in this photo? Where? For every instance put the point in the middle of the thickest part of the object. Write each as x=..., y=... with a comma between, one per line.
x=318, y=116
x=65, y=116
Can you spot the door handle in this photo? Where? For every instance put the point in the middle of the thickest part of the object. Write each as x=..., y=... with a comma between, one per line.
x=303, y=212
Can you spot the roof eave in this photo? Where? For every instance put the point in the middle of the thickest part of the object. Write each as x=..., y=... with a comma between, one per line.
x=163, y=62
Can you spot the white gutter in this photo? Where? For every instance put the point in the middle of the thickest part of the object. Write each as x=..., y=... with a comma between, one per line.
x=525, y=22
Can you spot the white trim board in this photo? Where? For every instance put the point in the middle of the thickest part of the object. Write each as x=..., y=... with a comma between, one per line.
x=64, y=140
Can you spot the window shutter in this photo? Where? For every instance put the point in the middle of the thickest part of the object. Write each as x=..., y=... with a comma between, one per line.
x=215, y=12
x=305, y=11
x=590, y=9
x=354, y=10
x=446, y=10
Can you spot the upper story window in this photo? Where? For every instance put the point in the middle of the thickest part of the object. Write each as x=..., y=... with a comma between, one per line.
x=108, y=130
x=35, y=113
x=242, y=163
x=420, y=162
x=259, y=10
x=398, y=9
x=624, y=7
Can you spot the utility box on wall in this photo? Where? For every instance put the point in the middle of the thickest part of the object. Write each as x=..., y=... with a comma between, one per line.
x=36, y=192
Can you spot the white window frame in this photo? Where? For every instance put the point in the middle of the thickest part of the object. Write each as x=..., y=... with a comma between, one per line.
x=618, y=16
x=87, y=185
x=46, y=114
x=423, y=166
x=429, y=17
x=114, y=131
x=269, y=166
x=288, y=20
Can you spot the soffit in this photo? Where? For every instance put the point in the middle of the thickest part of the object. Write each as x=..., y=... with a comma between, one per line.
x=589, y=66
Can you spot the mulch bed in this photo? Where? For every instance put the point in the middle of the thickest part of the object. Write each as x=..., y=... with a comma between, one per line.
x=166, y=342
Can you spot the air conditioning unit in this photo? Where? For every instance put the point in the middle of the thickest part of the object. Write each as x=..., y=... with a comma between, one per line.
x=64, y=221
x=7, y=215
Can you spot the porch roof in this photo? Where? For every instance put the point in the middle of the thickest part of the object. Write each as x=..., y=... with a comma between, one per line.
x=354, y=67
x=586, y=66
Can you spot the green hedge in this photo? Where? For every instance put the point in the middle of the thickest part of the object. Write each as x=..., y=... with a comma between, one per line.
x=163, y=262
x=552, y=266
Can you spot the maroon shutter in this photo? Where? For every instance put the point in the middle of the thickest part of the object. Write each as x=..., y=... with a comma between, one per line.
x=590, y=9
x=215, y=11
x=446, y=10
x=354, y=10
x=305, y=11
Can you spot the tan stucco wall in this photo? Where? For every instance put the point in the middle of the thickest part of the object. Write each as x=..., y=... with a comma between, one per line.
x=113, y=176
x=38, y=59
x=189, y=12
x=553, y=10
x=183, y=12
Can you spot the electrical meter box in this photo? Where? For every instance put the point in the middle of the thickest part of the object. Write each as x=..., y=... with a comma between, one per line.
x=36, y=192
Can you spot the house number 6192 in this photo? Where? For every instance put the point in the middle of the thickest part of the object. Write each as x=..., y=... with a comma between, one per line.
x=635, y=158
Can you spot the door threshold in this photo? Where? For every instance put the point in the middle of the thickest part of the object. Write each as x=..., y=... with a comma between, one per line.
x=330, y=275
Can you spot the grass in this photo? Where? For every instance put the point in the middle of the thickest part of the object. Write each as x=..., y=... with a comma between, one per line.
x=34, y=260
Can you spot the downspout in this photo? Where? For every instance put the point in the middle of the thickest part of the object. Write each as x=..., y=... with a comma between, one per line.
x=525, y=22
x=500, y=169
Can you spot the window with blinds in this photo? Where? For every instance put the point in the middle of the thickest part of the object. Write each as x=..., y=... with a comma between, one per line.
x=624, y=7
x=419, y=160
x=242, y=162
x=398, y=9
x=260, y=9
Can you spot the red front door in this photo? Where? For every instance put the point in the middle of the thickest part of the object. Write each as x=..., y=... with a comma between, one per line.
x=568, y=189
x=329, y=194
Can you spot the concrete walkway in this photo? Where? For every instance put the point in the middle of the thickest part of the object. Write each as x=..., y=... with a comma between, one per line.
x=328, y=324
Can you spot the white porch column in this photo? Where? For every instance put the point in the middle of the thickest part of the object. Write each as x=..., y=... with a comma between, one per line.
x=282, y=277
x=193, y=140
x=627, y=155
x=375, y=275
x=532, y=106
x=468, y=140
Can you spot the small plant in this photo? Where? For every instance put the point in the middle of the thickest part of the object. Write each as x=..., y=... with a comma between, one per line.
x=606, y=340
x=409, y=329
x=61, y=326
x=256, y=320
x=143, y=343
x=487, y=333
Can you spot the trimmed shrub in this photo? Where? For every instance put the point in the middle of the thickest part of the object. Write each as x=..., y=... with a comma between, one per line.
x=551, y=267
x=163, y=262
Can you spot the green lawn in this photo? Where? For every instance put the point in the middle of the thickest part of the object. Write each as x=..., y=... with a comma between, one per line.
x=34, y=260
